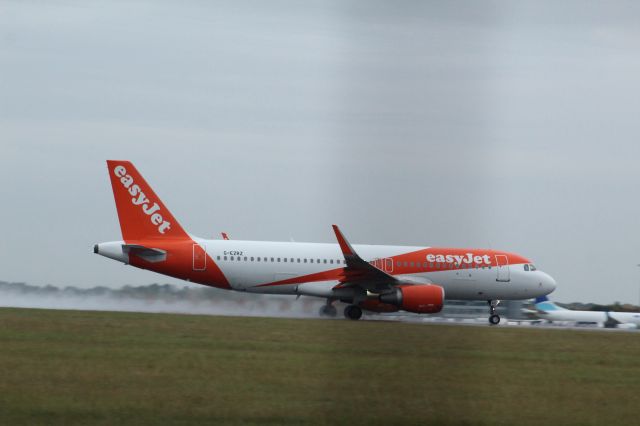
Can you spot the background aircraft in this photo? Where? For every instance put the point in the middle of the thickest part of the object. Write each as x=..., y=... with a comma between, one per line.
x=370, y=277
x=548, y=310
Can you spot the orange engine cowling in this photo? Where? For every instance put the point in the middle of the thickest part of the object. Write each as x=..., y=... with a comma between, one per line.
x=421, y=299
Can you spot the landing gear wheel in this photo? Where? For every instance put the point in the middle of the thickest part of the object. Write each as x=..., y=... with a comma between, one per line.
x=353, y=312
x=494, y=319
x=328, y=311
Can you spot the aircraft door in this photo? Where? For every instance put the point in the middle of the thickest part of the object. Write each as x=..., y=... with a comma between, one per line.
x=385, y=264
x=502, y=266
x=388, y=265
x=199, y=257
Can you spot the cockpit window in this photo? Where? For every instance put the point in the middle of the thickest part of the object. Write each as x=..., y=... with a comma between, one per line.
x=526, y=267
x=529, y=267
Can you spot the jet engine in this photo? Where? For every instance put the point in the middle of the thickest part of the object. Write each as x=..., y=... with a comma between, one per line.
x=421, y=299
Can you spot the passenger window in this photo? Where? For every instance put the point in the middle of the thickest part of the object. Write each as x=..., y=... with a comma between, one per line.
x=218, y=257
x=252, y=258
x=331, y=261
x=285, y=259
x=225, y=258
x=305, y=260
x=258, y=259
x=298, y=260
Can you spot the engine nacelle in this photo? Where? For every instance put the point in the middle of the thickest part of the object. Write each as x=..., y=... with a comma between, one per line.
x=421, y=299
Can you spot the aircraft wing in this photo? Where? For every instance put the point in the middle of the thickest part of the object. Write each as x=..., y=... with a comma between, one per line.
x=359, y=272
x=611, y=321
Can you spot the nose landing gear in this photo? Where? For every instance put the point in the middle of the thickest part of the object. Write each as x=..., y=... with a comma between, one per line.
x=494, y=319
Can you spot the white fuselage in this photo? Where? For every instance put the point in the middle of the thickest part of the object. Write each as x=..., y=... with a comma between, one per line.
x=246, y=273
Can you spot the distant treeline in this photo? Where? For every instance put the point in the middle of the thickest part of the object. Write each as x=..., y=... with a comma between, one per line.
x=165, y=292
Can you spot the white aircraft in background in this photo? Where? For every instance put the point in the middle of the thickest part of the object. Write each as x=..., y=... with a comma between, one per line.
x=548, y=310
x=370, y=277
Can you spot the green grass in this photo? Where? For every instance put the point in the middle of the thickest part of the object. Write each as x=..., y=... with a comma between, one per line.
x=72, y=367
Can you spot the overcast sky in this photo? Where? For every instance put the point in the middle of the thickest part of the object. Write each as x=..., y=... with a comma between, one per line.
x=510, y=125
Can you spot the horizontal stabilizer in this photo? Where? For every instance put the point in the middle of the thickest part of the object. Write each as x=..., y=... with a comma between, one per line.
x=152, y=255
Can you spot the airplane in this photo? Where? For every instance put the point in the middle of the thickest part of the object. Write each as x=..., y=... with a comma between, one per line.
x=374, y=278
x=548, y=310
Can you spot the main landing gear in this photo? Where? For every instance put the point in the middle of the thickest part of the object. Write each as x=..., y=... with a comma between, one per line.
x=494, y=319
x=328, y=310
x=353, y=312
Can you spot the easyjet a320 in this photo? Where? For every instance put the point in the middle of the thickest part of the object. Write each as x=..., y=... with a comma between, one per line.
x=367, y=277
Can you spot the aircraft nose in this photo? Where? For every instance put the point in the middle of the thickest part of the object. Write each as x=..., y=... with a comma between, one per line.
x=548, y=283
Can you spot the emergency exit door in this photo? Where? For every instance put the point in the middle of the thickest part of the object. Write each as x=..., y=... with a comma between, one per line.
x=199, y=257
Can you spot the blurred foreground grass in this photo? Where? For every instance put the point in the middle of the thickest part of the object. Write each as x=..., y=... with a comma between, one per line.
x=74, y=367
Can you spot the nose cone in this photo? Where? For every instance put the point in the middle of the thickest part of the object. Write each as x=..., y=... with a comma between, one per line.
x=547, y=283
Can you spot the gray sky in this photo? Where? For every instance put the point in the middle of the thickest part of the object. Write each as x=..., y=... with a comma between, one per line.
x=510, y=125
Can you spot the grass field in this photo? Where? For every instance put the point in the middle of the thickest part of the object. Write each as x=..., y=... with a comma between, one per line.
x=72, y=367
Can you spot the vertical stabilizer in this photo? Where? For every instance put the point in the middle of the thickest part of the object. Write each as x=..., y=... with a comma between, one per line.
x=545, y=305
x=141, y=213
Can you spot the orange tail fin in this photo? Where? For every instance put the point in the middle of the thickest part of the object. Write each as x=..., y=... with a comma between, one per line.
x=142, y=214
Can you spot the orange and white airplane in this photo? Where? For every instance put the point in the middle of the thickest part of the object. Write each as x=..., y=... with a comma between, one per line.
x=367, y=277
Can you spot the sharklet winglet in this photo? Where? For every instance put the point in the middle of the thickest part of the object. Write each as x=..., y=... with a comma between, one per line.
x=345, y=246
